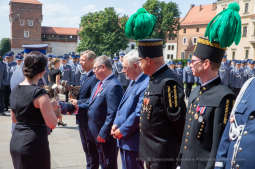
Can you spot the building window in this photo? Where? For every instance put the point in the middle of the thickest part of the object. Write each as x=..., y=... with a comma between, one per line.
x=132, y=46
x=183, y=55
x=184, y=30
x=30, y=22
x=172, y=47
x=233, y=55
x=197, y=29
x=169, y=47
x=26, y=34
x=246, y=8
x=246, y=53
x=244, y=31
x=168, y=56
x=172, y=56
x=22, y=22
x=194, y=40
x=184, y=41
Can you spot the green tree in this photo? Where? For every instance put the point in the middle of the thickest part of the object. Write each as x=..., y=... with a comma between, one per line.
x=167, y=18
x=5, y=46
x=102, y=32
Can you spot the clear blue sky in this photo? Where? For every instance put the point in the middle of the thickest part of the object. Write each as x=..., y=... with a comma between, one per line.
x=67, y=13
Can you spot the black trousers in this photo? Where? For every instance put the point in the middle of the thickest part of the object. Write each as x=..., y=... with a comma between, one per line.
x=7, y=92
x=188, y=89
x=160, y=165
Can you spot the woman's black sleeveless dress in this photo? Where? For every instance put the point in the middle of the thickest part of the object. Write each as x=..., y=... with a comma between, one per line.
x=29, y=145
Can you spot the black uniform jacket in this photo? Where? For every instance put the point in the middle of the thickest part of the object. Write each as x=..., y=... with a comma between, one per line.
x=162, y=118
x=208, y=110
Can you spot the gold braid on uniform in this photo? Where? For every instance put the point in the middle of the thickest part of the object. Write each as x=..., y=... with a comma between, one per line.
x=169, y=96
x=226, y=112
x=175, y=97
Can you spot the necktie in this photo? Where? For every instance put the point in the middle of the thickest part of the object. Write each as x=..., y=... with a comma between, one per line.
x=99, y=88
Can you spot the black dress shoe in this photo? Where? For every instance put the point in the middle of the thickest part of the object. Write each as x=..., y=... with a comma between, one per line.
x=61, y=124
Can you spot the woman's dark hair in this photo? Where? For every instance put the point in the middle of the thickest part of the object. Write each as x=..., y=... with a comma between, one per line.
x=34, y=63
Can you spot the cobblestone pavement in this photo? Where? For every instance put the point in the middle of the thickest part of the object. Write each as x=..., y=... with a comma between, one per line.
x=65, y=145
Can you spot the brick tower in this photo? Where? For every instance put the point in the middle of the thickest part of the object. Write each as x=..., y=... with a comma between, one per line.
x=25, y=18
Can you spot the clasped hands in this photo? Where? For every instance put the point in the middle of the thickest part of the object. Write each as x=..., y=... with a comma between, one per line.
x=115, y=132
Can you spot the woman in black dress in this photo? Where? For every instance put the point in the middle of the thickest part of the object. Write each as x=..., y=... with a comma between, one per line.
x=34, y=115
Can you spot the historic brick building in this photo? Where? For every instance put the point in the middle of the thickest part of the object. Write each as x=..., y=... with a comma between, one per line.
x=26, y=18
x=193, y=25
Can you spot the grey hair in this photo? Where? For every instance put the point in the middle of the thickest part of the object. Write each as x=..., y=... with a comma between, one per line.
x=132, y=56
x=104, y=60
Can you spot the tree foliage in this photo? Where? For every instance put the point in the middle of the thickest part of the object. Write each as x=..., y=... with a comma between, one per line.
x=5, y=46
x=167, y=18
x=103, y=32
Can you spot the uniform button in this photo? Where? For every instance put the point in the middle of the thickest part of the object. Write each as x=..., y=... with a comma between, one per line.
x=200, y=129
x=198, y=137
x=200, y=92
x=197, y=99
x=186, y=140
x=195, y=106
x=199, y=133
x=187, y=133
x=190, y=119
x=185, y=147
x=192, y=113
x=251, y=117
x=240, y=149
x=237, y=166
x=189, y=126
x=245, y=133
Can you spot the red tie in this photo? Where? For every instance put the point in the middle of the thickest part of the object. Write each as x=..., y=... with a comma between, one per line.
x=99, y=88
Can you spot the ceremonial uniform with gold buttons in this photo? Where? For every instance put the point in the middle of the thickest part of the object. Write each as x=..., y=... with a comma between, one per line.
x=236, y=149
x=208, y=110
x=162, y=115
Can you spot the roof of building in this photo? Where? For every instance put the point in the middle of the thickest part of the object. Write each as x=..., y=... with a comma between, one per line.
x=59, y=30
x=199, y=15
x=27, y=1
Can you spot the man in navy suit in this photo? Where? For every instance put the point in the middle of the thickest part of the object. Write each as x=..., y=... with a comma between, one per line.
x=126, y=124
x=102, y=108
x=88, y=82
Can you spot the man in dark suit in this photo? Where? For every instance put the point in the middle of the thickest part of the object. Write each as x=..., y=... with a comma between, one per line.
x=126, y=124
x=102, y=108
x=88, y=82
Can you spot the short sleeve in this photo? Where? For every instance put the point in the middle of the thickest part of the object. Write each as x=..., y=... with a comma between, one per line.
x=39, y=92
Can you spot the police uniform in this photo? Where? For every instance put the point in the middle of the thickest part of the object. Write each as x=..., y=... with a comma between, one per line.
x=162, y=115
x=66, y=71
x=76, y=70
x=236, y=149
x=224, y=72
x=3, y=76
x=188, y=79
x=179, y=72
x=236, y=79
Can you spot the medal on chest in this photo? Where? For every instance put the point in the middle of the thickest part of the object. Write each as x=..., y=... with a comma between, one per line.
x=199, y=113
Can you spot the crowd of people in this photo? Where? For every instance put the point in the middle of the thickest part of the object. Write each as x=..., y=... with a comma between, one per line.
x=145, y=118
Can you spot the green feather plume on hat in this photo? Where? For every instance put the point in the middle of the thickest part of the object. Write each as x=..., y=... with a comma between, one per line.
x=225, y=27
x=140, y=25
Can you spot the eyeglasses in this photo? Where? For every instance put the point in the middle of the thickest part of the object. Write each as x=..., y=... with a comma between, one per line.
x=95, y=68
x=195, y=61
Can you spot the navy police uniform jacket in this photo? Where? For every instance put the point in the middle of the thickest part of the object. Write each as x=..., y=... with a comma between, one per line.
x=188, y=76
x=208, y=109
x=128, y=114
x=179, y=72
x=76, y=70
x=239, y=152
x=224, y=72
x=162, y=118
x=67, y=74
x=237, y=78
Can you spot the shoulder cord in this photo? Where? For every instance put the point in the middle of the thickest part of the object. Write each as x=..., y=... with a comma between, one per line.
x=236, y=131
